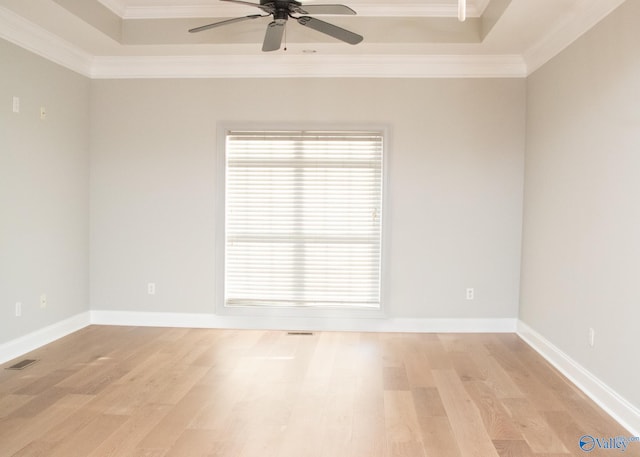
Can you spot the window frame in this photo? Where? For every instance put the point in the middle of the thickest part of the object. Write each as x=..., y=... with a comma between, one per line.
x=220, y=237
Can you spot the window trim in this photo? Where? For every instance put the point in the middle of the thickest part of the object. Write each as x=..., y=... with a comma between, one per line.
x=283, y=311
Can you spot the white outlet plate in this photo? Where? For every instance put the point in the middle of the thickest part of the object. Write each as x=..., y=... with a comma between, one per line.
x=592, y=337
x=18, y=309
x=43, y=300
x=470, y=293
x=151, y=288
x=16, y=104
x=43, y=113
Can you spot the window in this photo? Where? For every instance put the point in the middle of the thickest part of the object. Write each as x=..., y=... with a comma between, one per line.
x=303, y=218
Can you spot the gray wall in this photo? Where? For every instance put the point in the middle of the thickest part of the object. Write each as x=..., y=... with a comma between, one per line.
x=44, y=185
x=455, y=194
x=455, y=185
x=581, y=247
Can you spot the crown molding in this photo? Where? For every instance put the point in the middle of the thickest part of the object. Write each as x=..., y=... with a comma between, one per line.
x=297, y=66
x=31, y=37
x=478, y=7
x=120, y=8
x=566, y=32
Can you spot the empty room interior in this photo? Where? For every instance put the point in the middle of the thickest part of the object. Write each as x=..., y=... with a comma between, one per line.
x=281, y=228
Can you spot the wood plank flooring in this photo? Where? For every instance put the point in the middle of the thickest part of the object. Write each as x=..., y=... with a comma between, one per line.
x=157, y=392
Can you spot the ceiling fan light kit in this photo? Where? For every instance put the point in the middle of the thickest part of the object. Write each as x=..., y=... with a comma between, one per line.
x=281, y=11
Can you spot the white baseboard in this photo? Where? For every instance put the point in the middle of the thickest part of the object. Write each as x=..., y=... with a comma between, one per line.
x=304, y=323
x=609, y=400
x=617, y=407
x=27, y=343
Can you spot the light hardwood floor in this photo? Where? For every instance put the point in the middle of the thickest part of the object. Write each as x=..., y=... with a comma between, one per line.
x=127, y=391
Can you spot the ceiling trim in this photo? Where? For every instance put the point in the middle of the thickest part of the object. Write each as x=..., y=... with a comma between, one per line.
x=566, y=32
x=31, y=37
x=118, y=7
x=297, y=66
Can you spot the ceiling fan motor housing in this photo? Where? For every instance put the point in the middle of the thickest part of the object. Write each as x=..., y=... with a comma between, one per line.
x=282, y=10
x=281, y=14
x=278, y=4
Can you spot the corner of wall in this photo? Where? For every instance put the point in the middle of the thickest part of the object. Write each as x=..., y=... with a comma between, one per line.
x=609, y=400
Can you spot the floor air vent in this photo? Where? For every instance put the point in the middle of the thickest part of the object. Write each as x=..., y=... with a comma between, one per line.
x=22, y=364
x=300, y=333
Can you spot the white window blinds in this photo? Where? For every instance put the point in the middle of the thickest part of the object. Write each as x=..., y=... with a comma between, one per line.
x=303, y=218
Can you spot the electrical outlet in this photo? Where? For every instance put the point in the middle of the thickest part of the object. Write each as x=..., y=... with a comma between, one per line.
x=592, y=337
x=16, y=104
x=43, y=300
x=18, y=309
x=43, y=113
x=151, y=288
x=470, y=293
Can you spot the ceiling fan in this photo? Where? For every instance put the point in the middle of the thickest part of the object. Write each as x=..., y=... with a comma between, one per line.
x=282, y=10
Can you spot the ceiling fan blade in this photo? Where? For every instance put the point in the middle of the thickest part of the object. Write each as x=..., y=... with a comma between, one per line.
x=330, y=29
x=228, y=21
x=266, y=9
x=323, y=9
x=273, y=37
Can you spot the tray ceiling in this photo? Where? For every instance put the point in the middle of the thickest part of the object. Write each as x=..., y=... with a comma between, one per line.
x=410, y=38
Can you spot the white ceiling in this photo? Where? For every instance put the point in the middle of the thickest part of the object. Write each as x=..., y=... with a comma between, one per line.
x=409, y=38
